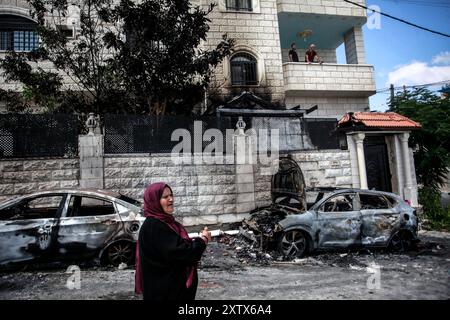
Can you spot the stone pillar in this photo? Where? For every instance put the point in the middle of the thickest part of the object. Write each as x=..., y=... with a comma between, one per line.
x=410, y=192
x=359, y=139
x=91, y=161
x=91, y=151
x=244, y=178
x=353, y=161
x=399, y=165
x=354, y=46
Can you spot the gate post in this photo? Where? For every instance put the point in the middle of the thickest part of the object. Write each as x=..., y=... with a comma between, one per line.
x=244, y=159
x=91, y=153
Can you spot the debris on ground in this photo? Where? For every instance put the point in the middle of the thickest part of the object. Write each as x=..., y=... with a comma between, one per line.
x=122, y=266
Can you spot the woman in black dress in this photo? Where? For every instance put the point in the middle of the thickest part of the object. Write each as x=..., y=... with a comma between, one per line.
x=166, y=257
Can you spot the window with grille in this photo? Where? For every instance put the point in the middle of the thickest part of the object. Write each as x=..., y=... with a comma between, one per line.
x=243, y=70
x=17, y=34
x=239, y=5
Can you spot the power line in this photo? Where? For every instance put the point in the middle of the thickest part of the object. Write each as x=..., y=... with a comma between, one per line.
x=415, y=86
x=398, y=19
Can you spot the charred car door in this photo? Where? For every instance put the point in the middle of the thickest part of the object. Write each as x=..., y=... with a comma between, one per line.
x=87, y=225
x=379, y=219
x=28, y=228
x=339, y=221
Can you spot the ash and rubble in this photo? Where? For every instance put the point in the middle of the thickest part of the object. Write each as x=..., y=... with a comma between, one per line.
x=239, y=250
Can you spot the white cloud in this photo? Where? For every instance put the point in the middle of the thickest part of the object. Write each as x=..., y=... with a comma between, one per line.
x=417, y=72
x=442, y=58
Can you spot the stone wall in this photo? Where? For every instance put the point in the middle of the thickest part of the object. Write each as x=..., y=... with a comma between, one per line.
x=329, y=107
x=328, y=168
x=204, y=194
x=329, y=79
x=19, y=177
x=208, y=194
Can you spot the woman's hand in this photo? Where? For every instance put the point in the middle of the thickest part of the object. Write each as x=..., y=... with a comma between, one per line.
x=205, y=234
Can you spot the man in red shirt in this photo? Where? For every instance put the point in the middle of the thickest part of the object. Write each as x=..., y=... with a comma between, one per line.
x=311, y=54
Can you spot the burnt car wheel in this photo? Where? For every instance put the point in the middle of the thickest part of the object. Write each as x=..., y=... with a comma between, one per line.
x=293, y=244
x=401, y=241
x=120, y=252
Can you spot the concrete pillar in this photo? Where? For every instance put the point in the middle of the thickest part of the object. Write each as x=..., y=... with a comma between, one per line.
x=410, y=191
x=399, y=165
x=244, y=178
x=359, y=139
x=91, y=161
x=354, y=46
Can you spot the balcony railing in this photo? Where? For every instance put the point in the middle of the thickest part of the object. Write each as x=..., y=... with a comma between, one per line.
x=329, y=79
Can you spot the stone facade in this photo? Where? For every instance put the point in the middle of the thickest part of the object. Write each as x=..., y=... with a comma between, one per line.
x=255, y=33
x=329, y=79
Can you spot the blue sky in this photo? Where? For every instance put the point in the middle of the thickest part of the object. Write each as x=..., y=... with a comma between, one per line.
x=402, y=54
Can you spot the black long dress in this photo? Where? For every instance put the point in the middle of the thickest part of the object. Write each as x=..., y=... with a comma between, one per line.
x=164, y=259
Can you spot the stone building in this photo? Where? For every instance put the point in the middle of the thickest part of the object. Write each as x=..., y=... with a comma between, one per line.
x=264, y=31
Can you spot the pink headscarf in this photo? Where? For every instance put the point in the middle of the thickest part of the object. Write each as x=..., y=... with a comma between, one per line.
x=152, y=208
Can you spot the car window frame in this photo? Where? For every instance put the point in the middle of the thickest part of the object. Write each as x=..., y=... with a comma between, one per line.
x=96, y=197
x=355, y=202
x=390, y=205
x=19, y=201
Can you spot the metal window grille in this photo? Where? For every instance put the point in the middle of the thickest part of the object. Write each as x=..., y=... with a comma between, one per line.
x=239, y=5
x=38, y=135
x=243, y=70
x=17, y=33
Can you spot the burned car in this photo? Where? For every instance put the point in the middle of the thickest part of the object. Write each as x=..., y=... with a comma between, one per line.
x=69, y=225
x=340, y=218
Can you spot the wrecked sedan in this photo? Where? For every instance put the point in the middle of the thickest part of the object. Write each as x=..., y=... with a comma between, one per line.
x=69, y=225
x=339, y=218
x=350, y=218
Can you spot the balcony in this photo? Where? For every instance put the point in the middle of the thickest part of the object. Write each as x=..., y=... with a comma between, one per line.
x=350, y=80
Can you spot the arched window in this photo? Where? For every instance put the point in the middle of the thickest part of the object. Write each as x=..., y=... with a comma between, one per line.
x=17, y=33
x=243, y=69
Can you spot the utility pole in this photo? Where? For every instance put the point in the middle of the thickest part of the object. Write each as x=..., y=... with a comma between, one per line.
x=392, y=95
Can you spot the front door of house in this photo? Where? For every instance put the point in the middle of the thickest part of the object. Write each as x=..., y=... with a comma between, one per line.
x=377, y=164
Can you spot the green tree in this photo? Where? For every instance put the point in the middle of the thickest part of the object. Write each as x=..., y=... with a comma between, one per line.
x=127, y=57
x=432, y=142
x=431, y=146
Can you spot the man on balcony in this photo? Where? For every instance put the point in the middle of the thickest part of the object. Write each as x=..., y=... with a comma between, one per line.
x=293, y=56
x=311, y=53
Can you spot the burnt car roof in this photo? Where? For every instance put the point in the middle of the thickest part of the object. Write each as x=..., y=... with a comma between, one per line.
x=80, y=191
x=344, y=190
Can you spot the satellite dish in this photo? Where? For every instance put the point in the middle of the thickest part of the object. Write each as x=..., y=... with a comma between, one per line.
x=304, y=34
